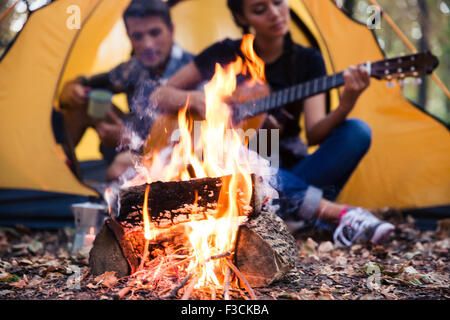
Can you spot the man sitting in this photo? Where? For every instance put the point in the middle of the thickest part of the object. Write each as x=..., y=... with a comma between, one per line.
x=154, y=59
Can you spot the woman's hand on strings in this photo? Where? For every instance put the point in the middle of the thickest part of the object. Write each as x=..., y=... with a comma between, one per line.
x=357, y=79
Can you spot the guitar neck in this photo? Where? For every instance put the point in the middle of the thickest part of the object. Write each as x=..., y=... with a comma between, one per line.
x=288, y=95
x=413, y=65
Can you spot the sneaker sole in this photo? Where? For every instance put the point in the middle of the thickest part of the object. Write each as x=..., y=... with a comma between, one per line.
x=382, y=232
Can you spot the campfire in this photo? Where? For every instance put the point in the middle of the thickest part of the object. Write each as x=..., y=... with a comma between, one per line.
x=195, y=220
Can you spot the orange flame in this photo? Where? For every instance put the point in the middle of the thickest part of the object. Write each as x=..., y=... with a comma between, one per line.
x=222, y=155
x=149, y=234
x=254, y=64
x=109, y=196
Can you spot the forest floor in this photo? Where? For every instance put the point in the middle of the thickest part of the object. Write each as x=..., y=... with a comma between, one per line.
x=412, y=264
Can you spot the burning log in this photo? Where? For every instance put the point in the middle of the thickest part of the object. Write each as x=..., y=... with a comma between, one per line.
x=264, y=249
x=175, y=202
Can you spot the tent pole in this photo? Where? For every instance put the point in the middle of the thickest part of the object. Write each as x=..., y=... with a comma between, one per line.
x=3, y=16
x=408, y=44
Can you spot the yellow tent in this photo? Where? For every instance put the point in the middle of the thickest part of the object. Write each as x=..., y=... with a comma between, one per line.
x=408, y=165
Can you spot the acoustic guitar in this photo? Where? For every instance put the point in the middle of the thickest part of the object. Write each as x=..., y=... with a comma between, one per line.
x=253, y=113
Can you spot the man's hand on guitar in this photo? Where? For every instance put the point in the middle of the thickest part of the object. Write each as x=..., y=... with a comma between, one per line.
x=197, y=102
x=357, y=79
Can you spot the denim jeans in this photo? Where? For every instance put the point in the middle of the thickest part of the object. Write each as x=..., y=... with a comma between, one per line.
x=323, y=173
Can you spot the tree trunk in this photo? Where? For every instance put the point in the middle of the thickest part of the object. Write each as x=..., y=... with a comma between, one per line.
x=423, y=46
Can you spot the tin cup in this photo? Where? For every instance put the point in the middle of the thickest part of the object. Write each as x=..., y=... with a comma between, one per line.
x=89, y=218
x=99, y=103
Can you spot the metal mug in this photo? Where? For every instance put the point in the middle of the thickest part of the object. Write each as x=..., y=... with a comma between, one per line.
x=89, y=218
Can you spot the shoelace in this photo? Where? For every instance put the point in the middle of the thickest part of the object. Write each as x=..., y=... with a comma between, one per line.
x=359, y=220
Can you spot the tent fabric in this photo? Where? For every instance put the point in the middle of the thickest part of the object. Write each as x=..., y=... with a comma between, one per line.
x=408, y=165
x=37, y=209
x=29, y=74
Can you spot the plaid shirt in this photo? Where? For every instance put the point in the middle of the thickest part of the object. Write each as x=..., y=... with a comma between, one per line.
x=138, y=83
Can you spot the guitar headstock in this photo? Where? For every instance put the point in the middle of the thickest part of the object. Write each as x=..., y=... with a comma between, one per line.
x=414, y=65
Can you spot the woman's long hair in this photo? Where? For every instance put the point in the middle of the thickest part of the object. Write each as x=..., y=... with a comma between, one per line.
x=235, y=7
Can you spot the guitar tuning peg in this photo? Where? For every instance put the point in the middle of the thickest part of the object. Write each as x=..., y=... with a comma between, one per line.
x=390, y=84
x=417, y=81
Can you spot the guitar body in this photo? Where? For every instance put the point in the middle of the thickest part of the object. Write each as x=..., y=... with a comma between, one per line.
x=161, y=133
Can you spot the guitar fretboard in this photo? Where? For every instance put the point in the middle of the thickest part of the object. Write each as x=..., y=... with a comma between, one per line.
x=288, y=95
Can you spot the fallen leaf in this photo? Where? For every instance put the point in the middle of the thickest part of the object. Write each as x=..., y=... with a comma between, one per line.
x=63, y=254
x=92, y=286
x=349, y=270
x=8, y=278
x=53, y=275
x=26, y=262
x=5, y=264
x=410, y=270
x=19, y=284
x=326, y=247
x=411, y=255
x=326, y=269
x=306, y=294
x=35, y=246
x=386, y=292
x=416, y=282
x=443, y=244
x=368, y=297
x=309, y=246
x=365, y=253
x=341, y=261
x=326, y=296
x=35, y=281
x=108, y=279
x=290, y=296
x=371, y=268
x=396, y=270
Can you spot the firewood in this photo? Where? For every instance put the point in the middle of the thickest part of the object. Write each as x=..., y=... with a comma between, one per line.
x=121, y=250
x=175, y=202
x=226, y=284
x=174, y=291
x=107, y=255
x=242, y=278
x=188, y=291
x=264, y=247
x=265, y=250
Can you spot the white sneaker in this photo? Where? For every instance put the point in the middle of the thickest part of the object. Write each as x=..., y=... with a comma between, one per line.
x=358, y=224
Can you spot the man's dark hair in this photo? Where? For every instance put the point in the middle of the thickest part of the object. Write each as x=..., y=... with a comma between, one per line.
x=148, y=8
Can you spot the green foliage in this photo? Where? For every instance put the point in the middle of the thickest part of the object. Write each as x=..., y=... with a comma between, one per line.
x=8, y=278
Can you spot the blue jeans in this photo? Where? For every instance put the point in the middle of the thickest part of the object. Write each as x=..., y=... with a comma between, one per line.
x=324, y=173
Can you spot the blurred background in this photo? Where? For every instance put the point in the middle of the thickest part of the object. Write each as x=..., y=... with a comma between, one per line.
x=426, y=23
